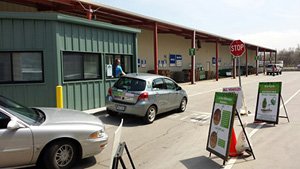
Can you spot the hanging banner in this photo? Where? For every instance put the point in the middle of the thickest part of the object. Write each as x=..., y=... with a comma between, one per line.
x=268, y=102
x=221, y=124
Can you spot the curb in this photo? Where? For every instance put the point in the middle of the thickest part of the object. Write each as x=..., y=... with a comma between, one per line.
x=97, y=111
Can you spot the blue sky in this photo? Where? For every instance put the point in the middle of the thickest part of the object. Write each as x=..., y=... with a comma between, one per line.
x=271, y=23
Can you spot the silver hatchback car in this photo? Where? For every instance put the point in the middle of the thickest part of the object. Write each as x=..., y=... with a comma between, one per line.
x=145, y=95
x=54, y=138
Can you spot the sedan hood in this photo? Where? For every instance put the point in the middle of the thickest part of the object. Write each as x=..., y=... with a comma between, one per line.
x=68, y=116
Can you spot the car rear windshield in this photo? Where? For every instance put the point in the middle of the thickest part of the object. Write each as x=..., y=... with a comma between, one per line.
x=130, y=84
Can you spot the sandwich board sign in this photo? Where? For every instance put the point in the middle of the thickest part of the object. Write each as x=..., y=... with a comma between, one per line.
x=268, y=102
x=221, y=124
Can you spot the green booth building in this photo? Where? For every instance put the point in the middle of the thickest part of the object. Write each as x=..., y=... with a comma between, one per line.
x=41, y=51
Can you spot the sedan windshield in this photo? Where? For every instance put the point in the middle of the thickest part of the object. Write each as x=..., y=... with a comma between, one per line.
x=30, y=116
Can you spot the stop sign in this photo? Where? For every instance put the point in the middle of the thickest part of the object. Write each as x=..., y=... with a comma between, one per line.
x=237, y=48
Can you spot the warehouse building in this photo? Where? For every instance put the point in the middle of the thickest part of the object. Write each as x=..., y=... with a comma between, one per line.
x=45, y=45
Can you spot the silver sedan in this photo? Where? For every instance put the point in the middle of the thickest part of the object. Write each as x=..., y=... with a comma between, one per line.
x=54, y=138
x=145, y=95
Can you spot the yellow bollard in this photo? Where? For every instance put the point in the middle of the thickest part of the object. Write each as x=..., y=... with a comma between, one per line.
x=59, y=97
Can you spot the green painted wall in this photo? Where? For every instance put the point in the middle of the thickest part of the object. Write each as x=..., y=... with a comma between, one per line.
x=85, y=95
x=52, y=34
x=31, y=35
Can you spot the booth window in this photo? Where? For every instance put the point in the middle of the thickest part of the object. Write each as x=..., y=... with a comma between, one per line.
x=21, y=67
x=126, y=63
x=81, y=66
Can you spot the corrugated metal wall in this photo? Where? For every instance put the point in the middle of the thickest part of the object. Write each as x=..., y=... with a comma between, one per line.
x=31, y=35
x=52, y=34
x=72, y=37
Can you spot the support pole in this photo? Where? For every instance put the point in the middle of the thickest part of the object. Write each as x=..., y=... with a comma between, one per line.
x=89, y=13
x=264, y=61
x=246, y=61
x=275, y=57
x=217, y=60
x=155, y=48
x=59, y=97
x=256, y=66
x=234, y=67
x=193, y=59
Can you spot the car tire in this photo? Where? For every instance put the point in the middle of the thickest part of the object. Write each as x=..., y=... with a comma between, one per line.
x=60, y=155
x=182, y=105
x=150, y=114
x=111, y=113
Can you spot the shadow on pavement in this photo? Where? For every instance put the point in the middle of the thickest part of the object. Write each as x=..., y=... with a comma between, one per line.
x=85, y=163
x=128, y=120
x=81, y=164
x=201, y=162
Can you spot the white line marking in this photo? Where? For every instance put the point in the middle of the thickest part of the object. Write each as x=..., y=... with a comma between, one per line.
x=231, y=161
x=205, y=92
x=184, y=118
x=201, y=117
x=195, y=113
x=173, y=116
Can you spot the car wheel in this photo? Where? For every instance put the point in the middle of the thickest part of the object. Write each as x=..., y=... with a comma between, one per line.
x=60, y=155
x=150, y=114
x=182, y=105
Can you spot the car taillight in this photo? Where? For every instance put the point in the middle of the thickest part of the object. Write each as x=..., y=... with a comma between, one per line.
x=110, y=92
x=143, y=96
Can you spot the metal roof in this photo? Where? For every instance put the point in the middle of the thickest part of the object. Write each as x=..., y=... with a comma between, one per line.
x=118, y=16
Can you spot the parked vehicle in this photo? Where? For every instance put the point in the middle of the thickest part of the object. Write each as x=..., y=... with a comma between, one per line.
x=53, y=138
x=273, y=68
x=145, y=95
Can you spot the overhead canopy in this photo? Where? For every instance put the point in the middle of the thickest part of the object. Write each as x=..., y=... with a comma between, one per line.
x=83, y=8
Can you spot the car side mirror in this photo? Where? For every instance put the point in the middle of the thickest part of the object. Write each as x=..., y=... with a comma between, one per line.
x=13, y=125
x=179, y=88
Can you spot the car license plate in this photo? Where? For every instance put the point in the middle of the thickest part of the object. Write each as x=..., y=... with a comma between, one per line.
x=120, y=107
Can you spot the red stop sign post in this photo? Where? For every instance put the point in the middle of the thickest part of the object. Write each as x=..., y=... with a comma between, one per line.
x=237, y=49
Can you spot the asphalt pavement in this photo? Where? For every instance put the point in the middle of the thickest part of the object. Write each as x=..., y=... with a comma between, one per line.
x=178, y=140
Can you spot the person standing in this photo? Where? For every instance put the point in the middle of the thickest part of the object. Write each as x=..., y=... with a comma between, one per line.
x=118, y=69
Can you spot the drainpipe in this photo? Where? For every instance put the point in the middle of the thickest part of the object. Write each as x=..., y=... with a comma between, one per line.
x=155, y=48
x=193, y=59
x=217, y=60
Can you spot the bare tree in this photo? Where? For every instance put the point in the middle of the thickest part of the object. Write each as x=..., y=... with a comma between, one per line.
x=291, y=56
